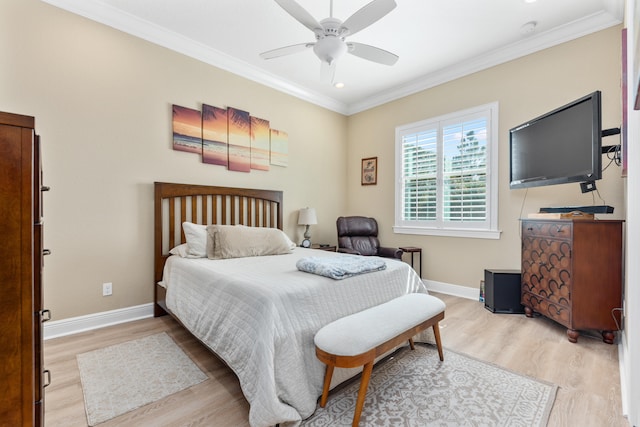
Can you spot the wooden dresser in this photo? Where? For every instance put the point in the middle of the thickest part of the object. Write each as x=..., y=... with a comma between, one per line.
x=572, y=273
x=21, y=252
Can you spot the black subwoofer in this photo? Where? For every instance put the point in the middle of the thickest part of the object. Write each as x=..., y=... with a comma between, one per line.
x=502, y=291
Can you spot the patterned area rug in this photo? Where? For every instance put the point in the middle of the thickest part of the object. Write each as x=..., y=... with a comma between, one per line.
x=126, y=376
x=413, y=388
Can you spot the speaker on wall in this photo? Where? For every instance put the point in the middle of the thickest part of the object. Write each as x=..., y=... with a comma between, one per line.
x=502, y=291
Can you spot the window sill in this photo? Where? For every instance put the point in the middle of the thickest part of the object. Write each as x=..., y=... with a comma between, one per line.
x=449, y=232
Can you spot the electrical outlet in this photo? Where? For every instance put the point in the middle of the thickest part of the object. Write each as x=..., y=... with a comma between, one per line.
x=107, y=289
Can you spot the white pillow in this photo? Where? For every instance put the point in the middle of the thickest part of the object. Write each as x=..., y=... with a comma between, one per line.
x=196, y=235
x=180, y=250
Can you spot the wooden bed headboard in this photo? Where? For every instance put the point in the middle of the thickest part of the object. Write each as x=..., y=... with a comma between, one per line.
x=203, y=204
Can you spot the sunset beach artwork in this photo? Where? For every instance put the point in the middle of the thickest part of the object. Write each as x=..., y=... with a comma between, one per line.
x=239, y=140
x=214, y=135
x=279, y=148
x=259, y=144
x=187, y=129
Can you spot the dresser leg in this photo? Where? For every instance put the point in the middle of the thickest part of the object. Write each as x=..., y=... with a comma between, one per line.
x=528, y=312
x=608, y=337
x=573, y=335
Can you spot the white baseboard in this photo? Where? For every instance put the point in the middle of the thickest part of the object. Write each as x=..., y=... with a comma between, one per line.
x=622, y=360
x=455, y=290
x=74, y=325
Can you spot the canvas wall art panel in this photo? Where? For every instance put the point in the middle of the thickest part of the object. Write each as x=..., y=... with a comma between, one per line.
x=279, y=148
x=187, y=129
x=239, y=128
x=214, y=135
x=259, y=144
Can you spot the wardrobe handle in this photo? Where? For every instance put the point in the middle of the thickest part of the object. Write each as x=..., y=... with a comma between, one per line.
x=47, y=375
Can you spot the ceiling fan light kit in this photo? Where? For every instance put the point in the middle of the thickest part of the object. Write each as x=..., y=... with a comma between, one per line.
x=330, y=34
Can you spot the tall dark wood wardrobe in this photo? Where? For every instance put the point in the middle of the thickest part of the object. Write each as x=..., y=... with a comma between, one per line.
x=21, y=253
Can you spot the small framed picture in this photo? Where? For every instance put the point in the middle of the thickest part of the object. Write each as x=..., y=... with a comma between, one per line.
x=369, y=171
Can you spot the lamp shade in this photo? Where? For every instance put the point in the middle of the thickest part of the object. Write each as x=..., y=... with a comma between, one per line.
x=307, y=216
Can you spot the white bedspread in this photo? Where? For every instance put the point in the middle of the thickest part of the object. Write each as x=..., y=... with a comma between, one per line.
x=260, y=315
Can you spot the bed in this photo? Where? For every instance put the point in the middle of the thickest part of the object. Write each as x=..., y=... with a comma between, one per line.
x=258, y=314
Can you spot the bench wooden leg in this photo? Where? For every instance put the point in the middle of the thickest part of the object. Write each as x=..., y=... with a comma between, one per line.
x=327, y=383
x=413, y=347
x=364, y=383
x=436, y=332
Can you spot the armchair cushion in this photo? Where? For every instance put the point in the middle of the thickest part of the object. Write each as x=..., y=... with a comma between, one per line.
x=359, y=235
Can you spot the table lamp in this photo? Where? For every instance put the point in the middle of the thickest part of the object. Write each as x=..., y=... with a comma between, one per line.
x=307, y=217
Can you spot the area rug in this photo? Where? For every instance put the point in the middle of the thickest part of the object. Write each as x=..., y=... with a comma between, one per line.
x=413, y=388
x=123, y=377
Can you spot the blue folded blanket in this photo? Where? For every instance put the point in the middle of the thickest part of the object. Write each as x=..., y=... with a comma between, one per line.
x=340, y=267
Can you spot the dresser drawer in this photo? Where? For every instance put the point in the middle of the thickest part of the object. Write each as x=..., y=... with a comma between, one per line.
x=551, y=229
x=557, y=312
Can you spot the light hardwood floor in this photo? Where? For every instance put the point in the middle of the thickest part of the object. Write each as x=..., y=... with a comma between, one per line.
x=587, y=373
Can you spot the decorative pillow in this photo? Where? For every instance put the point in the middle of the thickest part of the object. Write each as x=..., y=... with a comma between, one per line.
x=196, y=235
x=240, y=241
x=213, y=244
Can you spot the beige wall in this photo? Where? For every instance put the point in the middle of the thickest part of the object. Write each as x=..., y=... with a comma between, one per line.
x=102, y=101
x=524, y=88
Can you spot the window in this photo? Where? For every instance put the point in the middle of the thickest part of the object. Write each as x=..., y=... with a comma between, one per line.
x=446, y=175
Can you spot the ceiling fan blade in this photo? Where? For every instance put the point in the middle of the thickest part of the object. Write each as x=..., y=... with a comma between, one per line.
x=368, y=14
x=327, y=72
x=287, y=50
x=300, y=14
x=372, y=53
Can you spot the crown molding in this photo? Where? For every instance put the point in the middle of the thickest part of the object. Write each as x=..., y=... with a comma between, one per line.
x=571, y=31
x=100, y=12
x=116, y=18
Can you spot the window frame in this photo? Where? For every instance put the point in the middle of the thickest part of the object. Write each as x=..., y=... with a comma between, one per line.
x=487, y=229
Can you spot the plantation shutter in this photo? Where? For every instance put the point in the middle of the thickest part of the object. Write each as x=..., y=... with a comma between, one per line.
x=420, y=168
x=464, y=186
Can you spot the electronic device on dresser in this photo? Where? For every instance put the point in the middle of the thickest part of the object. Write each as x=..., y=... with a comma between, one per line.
x=21, y=262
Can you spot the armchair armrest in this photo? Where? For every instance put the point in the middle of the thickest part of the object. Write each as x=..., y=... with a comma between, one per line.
x=390, y=252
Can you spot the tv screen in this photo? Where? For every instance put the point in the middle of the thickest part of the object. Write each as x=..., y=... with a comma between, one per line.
x=561, y=146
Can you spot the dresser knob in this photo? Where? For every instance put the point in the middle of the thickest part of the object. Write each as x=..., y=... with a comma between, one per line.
x=45, y=188
x=46, y=252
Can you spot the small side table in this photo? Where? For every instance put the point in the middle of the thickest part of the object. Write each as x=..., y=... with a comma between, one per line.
x=413, y=250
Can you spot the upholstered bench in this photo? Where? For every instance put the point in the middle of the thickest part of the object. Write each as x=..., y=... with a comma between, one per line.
x=357, y=339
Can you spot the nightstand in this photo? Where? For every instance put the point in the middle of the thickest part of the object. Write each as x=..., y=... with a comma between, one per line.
x=413, y=250
x=329, y=248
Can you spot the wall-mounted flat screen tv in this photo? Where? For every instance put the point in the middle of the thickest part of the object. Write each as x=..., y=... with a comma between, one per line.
x=559, y=147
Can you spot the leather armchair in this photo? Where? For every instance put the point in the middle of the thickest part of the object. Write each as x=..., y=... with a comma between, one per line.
x=358, y=235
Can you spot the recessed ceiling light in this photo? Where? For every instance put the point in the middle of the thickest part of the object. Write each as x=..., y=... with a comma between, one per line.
x=339, y=85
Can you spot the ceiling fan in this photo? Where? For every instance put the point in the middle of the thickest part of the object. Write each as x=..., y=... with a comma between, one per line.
x=330, y=34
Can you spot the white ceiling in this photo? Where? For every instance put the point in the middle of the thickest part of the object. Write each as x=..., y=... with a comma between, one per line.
x=436, y=40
